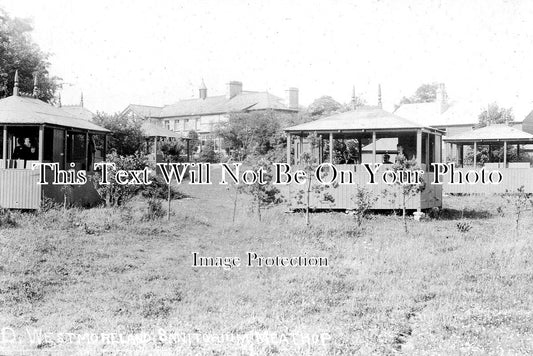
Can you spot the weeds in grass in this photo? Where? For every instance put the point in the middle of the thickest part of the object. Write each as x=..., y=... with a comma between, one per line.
x=7, y=219
x=154, y=210
x=464, y=226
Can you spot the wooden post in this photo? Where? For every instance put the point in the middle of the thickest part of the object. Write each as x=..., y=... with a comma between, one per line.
x=518, y=152
x=4, y=146
x=301, y=150
x=438, y=151
x=475, y=155
x=155, y=149
x=87, y=151
x=426, y=156
x=504, y=154
x=331, y=147
x=104, y=154
x=288, y=148
x=419, y=147
x=373, y=147
x=188, y=150
x=360, y=149
x=41, y=143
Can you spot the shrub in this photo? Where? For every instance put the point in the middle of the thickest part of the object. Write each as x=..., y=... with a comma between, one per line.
x=159, y=189
x=154, y=210
x=208, y=154
x=115, y=194
x=7, y=219
x=464, y=226
x=364, y=200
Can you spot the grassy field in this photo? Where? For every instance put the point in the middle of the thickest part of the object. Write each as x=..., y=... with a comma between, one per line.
x=101, y=272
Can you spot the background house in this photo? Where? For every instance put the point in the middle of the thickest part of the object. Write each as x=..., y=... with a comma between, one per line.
x=78, y=110
x=202, y=114
x=453, y=117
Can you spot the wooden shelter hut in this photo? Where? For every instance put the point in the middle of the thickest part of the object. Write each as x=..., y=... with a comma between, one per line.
x=34, y=131
x=364, y=126
x=155, y=135
x=501, y=138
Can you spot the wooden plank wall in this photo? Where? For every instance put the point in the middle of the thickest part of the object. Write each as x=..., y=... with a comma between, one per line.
x=19, y=189
x=388, y=196
x=513, y=178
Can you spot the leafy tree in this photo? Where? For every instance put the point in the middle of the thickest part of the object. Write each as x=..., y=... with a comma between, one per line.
x=426, y=93
x=208, y=154
x=324, y=105
x=18, y=51
x=172, y=150
x=254, y=133
x=126, y=135
x=493, y=114
x=115, y=194
x=194, y=141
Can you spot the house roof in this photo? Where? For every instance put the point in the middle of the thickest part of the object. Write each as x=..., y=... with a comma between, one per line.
x=19, y=110
x=145, y=110
x=492, y=133
x=220, y=104
x=153, y=130
x=79, y=111
x=456, y=113
x=364, y=118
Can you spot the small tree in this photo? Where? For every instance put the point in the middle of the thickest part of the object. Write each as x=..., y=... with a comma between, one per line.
x=263, y=195
x=406, y=190
x=520, y=201
x=319, y=190
x=363, y=200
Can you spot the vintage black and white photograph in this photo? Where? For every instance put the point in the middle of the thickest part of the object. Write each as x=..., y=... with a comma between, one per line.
x=266, y=177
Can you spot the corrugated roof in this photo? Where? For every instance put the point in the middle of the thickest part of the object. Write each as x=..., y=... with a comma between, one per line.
x=25, y=110
x=364, y=118
x=153, y=130
x=494, y=133
x=79, y=111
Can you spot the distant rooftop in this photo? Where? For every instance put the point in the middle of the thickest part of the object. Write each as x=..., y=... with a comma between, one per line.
x=364, y=118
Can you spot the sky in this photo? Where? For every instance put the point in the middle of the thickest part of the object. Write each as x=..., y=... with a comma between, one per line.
x=157, y=52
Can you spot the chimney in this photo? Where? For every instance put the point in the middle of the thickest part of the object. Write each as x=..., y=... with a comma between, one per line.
x=234, y=88
x=441, y=98
x=35, y=86
x=380, y=104
x=203, y=90
x=292, y=98
x=16, y=86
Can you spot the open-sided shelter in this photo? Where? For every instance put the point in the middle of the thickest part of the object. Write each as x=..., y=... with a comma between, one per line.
x=364, y=126
x=515, y=173
x=34, y=131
